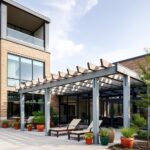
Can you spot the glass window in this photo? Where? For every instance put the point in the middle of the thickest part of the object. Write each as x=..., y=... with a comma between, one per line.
x=13, y=66
x=13, y=82
x=26, y=69
x=38, y=69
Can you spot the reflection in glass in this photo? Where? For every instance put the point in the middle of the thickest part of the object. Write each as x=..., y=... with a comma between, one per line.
x=38, y=69
x=13, y=66
x=26, y=69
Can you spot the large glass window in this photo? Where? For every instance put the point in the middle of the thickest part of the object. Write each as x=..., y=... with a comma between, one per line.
x=13, y=70
x=22, y=69
x=13, y=67
x=38, y=69
x=26, y=69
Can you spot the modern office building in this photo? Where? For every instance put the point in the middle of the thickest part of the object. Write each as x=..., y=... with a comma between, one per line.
x=24, y=55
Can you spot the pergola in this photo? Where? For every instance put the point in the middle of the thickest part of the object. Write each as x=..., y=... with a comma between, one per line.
x=95, y=78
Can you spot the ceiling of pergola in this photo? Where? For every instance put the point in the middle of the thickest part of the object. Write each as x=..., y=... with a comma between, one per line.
x=110, y=78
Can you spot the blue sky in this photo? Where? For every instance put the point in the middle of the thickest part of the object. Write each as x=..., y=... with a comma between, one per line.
x=84, y=31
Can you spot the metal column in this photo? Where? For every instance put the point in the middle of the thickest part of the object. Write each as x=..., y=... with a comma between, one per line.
x=126, y=101
x=47, y=111
x=96, y=110
x=22, y=110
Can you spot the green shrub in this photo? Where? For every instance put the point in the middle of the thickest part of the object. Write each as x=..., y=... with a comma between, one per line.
x=88, y=135
x=128, y=132
x=38, y=117
x=104, y=133
x=142, y=135
x=138, y=121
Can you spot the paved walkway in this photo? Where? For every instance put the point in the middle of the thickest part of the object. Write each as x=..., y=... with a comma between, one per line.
x=11, y=139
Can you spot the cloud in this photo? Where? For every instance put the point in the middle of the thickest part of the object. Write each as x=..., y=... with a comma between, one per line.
x=64, y=15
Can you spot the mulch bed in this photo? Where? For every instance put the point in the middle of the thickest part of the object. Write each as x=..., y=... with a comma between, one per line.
x=137, y=146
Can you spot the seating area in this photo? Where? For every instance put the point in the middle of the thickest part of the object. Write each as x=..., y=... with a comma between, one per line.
x=64, y=130
x=80, y=133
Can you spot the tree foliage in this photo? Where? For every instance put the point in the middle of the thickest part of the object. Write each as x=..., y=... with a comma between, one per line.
x=145, y=76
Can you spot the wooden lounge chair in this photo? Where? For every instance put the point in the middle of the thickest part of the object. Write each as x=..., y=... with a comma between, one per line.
x=80, y=133
x=64, y=130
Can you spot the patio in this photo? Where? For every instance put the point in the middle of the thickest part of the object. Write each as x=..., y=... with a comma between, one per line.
x=16, y=140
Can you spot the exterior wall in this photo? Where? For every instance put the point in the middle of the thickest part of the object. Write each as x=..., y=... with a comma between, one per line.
x=134, y=63
x=18, y=49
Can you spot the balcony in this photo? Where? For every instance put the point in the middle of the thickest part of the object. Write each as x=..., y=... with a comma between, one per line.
x=25, y=37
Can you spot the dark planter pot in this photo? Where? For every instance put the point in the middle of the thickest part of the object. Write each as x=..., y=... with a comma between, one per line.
x=127, y=142
x=104, y=140
x=89, y=141
x=5, y=126
x=40, y=127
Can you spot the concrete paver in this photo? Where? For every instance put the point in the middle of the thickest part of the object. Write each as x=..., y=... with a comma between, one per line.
x=11, y=139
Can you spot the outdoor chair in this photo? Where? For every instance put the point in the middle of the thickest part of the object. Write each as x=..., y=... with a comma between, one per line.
x=64, y=130
x=80, y=133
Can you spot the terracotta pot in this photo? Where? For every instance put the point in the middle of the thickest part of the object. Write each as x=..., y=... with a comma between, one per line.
x=16, y=127
x=5, y=126
x=127, y=142
x=89, y=141
x=40, y=127
x=111, y=135
x=29, y=128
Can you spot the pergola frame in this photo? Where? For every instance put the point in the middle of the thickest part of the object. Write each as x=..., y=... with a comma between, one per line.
x=104, y=76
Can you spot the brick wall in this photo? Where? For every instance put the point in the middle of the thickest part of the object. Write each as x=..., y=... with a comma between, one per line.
x=134, y=63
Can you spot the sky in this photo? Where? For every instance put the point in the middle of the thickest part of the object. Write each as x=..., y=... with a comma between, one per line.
x=84, y=31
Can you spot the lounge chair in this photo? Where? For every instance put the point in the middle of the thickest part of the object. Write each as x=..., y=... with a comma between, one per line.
x=64, y=130
x=80, y=133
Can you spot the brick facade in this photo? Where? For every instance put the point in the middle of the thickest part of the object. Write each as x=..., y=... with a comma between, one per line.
x=21, y=50
x=134, y=63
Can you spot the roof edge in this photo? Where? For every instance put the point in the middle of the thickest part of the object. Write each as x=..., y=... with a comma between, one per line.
x=28, y=10
x=128, y=59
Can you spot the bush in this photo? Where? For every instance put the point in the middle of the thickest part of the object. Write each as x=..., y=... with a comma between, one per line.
x=142, y=135
x=104, y=133
x=39, y=119
x=138, y=121
x=128, y=132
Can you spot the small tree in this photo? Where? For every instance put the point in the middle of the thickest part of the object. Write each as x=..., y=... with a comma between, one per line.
x=145, y=76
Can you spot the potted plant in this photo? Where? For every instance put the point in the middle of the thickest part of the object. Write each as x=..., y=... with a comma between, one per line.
x=29, y=127
x=16, y=125
x=88, y=138
x=104, y=136
x=38, y=121
x=4, y=124
x=111, y=135
x=127, y=140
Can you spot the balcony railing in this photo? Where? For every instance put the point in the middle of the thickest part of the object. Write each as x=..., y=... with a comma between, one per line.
x=24, y=37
